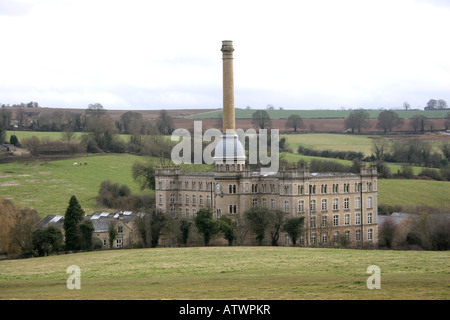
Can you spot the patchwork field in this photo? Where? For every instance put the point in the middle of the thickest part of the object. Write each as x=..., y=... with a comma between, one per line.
x=230, y=273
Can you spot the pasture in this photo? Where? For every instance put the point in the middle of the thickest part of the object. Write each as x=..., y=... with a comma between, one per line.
x=230, y=273
x=48, y=185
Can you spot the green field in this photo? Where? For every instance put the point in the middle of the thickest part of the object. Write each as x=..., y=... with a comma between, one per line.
x=316, y=114
x=48, y=186
x=230, y=273
x=414, y=192
x=334, y=142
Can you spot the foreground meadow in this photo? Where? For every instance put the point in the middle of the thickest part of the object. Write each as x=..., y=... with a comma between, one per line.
x=230, y=273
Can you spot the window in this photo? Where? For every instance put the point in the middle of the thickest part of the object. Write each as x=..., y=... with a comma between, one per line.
x=255, y=202
x=325, y=237
x=200, y=186
x=200, y=200
x=227, y=167
x=369, y=202
x=264, y=202
x=187, y=212
x=336, y=236
x=357, y=187
x=369, y=217
x=324, y=204
x=324, y=221
x=313, y=238
x=120, y=229
x=313, y=205
x=180, y=212
x=160, y=201
x=335, y=204
x=232, y=208
x=357, y=203
x=208, y=200
x=347, y=219
x=187, y=199
x=172, y=198
x=172, y=212
x=301, y=206
x=312, y=189
x=313, y=222
x=347, y=235
x=119, y=243
x=105, y=242
x=286, y=205
x=358, y=218
x=193, y=185
x=323, y=188
x=254, y=188
x=301, y=190
x=335, y=220
x=232, y=188
x=264, y=188
x=369, y=186
x=194, y=213
x=369, y=234
x=347, y=187
x=194, y=200
x=358, y=235
x=335, y=188
x=346, y=204
x=272, y=188
x=272, y=203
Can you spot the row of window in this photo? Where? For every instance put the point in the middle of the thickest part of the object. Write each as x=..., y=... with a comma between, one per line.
x=336, y=223
x=232, y=188
x=313, y=204
x=324, y=236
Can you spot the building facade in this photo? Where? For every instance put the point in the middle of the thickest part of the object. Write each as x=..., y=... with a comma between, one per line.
x=333, y=205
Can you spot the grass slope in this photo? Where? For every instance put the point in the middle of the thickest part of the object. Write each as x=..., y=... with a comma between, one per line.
x=229, y=273
x=48, y=186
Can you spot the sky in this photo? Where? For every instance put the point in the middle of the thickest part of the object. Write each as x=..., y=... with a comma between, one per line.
x=145, y=54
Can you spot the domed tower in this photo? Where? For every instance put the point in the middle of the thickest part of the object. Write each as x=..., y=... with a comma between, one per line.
x=229, y=152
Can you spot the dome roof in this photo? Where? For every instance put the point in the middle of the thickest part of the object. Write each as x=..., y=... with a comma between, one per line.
x=229, y=148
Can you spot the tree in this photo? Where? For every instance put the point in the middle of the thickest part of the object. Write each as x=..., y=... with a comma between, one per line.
x=276, y=221
x=112, y=233
x=144, y=175
x=293, y=227
x=164, y=123
x=48, y=240
x=95, y=111
x=131, y=122
x=158, y=222
x=418, y=122
x=356, y=120
x=294, y=121
x=86, y=230
x=388, y=120
x=205, y=224
x=228, y=227
x=74, y=215
x=387, y=234
x=185, y=226
x=261, y=119
x=258, y=219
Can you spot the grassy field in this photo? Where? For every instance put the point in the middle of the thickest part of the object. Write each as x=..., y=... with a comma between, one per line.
x=334, y=142
x=48, y=186
x=230, y=273
x=414, y=192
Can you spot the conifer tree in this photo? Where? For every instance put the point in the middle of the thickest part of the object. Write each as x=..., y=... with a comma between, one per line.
x=74, y=214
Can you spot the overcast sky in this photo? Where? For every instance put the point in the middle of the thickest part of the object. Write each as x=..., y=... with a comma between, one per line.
x=135, y=55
